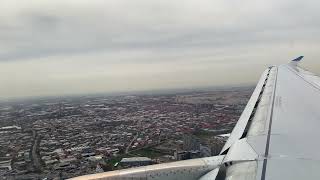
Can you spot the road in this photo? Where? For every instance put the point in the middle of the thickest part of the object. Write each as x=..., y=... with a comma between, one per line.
x=130, y=144
x=34, y=152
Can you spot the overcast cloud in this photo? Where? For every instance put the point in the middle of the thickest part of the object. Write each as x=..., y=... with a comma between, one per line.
x=88, y=46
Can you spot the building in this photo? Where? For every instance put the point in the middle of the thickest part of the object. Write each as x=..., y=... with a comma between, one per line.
x=135, y=161
x=183, y=155
x=190, y=143
x=205, y=151
x=6, y=165
x=10, y=128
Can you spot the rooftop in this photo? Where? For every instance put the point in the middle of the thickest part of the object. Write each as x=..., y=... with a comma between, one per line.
x=135, y=159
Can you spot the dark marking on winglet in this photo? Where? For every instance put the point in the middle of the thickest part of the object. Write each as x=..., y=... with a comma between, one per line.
x=298, y=59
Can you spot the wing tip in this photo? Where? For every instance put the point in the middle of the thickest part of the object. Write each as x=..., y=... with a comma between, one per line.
x=298, y=59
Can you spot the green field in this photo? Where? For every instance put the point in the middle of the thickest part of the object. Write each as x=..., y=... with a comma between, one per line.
x=146, y=152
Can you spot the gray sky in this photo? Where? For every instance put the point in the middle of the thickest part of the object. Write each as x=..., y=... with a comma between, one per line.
x=61, y=47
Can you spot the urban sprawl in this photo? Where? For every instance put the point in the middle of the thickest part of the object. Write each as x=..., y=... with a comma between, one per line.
x=58, y=138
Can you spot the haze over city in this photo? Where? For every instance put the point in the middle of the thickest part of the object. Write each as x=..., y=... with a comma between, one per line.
x=80, y=46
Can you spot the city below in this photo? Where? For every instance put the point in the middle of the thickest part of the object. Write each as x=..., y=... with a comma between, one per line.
x=58, y=138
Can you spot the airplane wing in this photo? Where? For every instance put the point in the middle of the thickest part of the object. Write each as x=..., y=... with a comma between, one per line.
x=274, y=138
x=279, y=140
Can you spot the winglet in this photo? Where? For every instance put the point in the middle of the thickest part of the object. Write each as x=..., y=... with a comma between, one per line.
x=297, y=59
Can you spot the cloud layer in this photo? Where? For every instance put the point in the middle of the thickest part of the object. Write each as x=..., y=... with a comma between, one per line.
x=88, y=46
